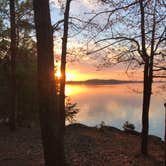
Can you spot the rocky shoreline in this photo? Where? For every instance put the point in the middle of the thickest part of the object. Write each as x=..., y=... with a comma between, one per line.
x=84, y=146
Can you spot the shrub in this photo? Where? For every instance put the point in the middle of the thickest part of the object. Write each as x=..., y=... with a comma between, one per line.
x=71, y=110
x=128, y=126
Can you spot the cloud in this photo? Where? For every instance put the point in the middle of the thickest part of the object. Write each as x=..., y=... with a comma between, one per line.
x=89, y=4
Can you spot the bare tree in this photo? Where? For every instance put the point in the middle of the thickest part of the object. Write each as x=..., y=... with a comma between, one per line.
x=52, y=136
x=135, y=33
x=63, y=63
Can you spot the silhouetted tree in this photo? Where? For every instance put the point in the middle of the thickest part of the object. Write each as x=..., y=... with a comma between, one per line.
x=25, y=51
x=49, y=115
x=13, y=52
x=63, y=63
x=135, y=34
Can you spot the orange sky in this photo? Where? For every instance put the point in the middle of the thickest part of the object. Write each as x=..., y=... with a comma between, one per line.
x=84, y=67
x=79, y=71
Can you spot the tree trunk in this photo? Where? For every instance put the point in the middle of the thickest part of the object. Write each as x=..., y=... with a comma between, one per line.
x=165, y=135
x=63, y=64
x=146, y=104
x=145, y=119
x=12, y=75
x=148, y=80
x=49, y=115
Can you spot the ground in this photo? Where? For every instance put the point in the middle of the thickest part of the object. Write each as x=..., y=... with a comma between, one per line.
x=84, y=146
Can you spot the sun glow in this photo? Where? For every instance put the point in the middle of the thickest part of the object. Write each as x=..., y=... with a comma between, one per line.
x=69, y=75
x=73, y=90
x=58, y=74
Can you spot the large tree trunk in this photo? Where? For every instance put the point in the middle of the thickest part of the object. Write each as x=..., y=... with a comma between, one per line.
x=49, y=115
x=148, y=80
x=63, y=64
x=12, y=75
x=147, y=90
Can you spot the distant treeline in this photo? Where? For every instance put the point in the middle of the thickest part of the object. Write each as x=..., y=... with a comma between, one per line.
x=106, y=82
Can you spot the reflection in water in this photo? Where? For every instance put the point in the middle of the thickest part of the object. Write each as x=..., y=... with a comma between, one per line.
x=71, y=90
x=114, y=104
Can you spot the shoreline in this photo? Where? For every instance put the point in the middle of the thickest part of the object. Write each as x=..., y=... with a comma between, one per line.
x=134, y=132
x=108, y=82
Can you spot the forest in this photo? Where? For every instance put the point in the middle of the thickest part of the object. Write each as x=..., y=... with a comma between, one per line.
x=39, y=40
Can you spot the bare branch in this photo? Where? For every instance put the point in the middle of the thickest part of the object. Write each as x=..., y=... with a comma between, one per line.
x=114, y=10
x=123, y=39
x=159, y=68
x=161, y=39
x=157, y=76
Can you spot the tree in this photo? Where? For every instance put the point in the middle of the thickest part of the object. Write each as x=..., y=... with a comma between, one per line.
x=135, y=34
x=24, y=25
x=49, y=115
x=13, y=52
x=165, y=134
x=71, y=110
x=62, y=81
x=63, y=64
x=26, y=57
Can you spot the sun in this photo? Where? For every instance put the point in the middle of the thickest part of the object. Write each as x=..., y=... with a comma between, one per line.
x=69, y=75
x=58, y=74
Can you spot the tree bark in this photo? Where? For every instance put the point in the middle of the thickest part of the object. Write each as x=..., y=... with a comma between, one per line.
x=12, y=74
x=145, y=112
x=49, y=115
x=148, y=80
x=63, y=64
x=165, y=137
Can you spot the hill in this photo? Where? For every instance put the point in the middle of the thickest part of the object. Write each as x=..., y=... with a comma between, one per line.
x=102, y=82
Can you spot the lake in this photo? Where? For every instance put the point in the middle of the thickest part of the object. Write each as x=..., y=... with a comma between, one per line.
x=115, y=104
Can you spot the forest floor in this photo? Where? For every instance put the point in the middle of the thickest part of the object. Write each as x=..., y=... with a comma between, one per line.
x=84, y=146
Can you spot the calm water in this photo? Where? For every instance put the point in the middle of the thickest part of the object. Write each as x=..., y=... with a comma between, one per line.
x=114, y=104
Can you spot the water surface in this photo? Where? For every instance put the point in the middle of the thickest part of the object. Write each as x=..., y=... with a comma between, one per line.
x=115, y=104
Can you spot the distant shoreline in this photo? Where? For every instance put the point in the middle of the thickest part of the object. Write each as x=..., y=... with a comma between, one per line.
x=106, y=82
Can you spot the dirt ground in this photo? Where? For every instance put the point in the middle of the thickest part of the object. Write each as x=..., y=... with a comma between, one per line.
x=84, y=146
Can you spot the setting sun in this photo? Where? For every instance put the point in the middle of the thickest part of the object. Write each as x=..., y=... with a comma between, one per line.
x=58, y=74
x=69, y=76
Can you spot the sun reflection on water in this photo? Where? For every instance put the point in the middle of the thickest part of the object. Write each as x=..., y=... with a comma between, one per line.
x=114, y=104
x=71, y=90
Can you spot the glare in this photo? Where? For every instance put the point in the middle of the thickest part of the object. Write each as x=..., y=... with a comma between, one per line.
x=73, y=90
x=69, y=76
x=58, y=74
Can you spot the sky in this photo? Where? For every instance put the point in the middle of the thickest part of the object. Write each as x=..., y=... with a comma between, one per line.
x=84, y=67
